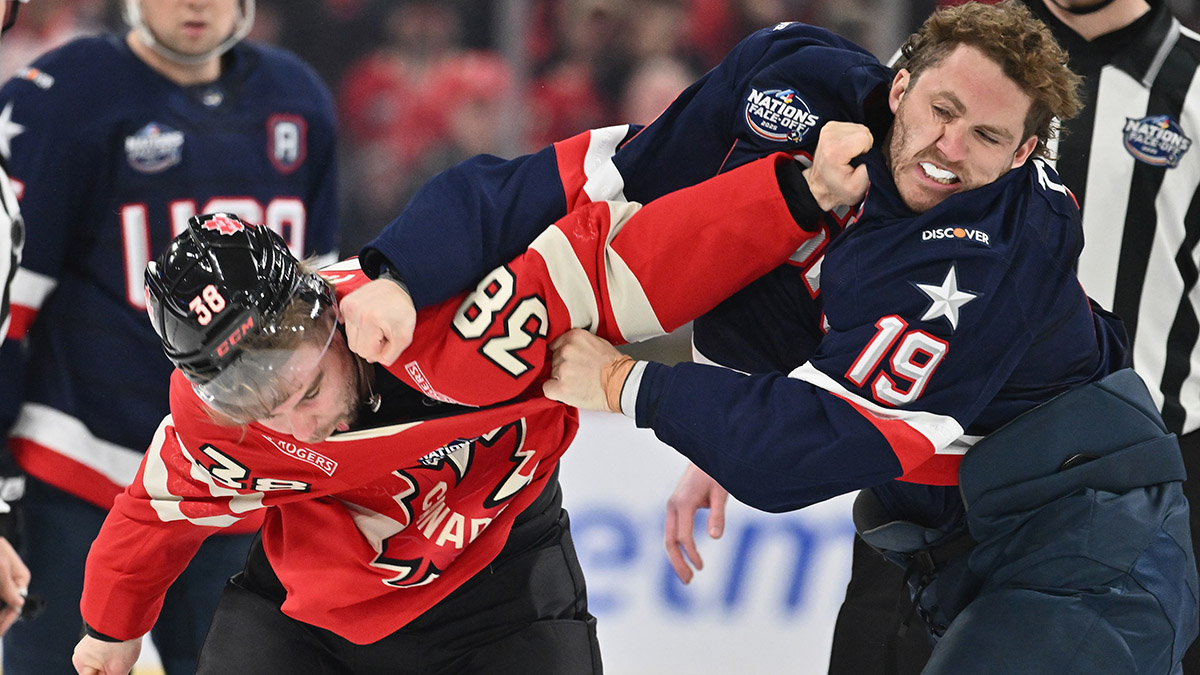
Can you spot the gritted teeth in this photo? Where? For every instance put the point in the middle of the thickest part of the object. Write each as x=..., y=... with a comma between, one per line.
x=940, y=175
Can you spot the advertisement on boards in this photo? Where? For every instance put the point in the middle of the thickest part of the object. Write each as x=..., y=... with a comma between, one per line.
x=768, y=595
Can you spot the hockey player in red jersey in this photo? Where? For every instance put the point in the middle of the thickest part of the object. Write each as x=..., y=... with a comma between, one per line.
x=413, y=517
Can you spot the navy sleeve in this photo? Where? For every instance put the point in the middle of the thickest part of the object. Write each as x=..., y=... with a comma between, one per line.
x=52, y=141
x=776, y=443
x=467, y=220
x=934, y=337
x=772, y=93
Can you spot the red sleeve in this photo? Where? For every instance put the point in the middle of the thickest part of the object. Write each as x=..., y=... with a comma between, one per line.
x=585, y=166
x=156, y=526
x=621, y=270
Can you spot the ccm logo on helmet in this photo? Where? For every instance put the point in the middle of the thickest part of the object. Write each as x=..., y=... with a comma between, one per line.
x=957, y=233
x=225, y=346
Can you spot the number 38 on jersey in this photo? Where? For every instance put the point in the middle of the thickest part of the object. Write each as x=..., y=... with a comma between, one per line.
x=523, y=320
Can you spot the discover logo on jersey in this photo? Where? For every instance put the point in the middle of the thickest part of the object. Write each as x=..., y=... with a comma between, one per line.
x=957, y=233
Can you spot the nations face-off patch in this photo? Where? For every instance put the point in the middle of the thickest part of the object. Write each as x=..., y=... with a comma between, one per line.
x=154, y=148
x=1157, y=140
x=779, y=115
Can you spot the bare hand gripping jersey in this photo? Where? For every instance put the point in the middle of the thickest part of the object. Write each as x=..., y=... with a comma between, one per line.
x=371, y=527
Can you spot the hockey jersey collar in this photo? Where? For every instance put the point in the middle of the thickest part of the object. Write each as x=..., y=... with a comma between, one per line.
x=883, y=203
x=1145, y=56
x=237, y=64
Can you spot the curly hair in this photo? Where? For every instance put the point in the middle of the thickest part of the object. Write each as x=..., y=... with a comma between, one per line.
x=1019, y=43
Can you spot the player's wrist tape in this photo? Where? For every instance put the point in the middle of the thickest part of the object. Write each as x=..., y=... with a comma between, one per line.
x=799, y=197
x=386, y=271
x=93, y=633
x=612, y=379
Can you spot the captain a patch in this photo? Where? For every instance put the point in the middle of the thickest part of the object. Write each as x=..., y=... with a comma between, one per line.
x=287, y=142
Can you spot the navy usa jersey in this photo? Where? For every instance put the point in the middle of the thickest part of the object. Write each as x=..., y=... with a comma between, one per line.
x=110, y=159
x=938, y=328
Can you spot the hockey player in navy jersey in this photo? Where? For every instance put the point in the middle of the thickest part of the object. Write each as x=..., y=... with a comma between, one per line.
x=113, y=142
x=934, y=320
x=958, y=350
x=1136, y=61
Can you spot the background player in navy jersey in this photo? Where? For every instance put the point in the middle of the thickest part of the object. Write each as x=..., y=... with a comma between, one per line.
x=1034, y=563
x=113, y=142
x=14, y=575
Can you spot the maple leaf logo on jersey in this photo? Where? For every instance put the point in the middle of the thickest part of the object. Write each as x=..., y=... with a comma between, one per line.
x=224, y=224
x=445, y=527
x=410, y=573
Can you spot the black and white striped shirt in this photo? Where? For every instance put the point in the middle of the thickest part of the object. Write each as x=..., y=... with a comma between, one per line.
x=12, y=237
x=1129, y=160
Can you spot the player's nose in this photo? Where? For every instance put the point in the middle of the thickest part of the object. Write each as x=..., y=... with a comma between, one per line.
x=952, y=143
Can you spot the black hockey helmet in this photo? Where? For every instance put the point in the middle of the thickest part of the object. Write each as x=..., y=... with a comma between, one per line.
x=233, y=306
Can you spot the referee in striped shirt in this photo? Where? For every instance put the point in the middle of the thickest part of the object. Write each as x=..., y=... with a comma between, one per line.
x=1130, y=162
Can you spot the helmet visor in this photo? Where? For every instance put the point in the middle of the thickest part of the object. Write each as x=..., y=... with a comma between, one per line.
x=275, y=358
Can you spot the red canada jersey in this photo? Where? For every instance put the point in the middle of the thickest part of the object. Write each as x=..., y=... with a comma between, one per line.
x=370, y=528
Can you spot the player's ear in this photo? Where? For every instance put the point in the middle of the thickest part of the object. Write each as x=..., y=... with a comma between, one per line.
x=899, y=86
x=1024, y=151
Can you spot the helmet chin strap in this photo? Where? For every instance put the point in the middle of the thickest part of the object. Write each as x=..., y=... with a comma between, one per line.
x=366, y=379
x=133, y=16
x=1080, y=11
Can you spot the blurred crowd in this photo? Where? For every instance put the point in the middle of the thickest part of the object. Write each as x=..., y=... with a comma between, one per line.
x=422, y=84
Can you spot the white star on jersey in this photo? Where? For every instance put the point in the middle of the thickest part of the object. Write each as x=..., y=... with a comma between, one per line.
x=945, y=299
x=8, y=130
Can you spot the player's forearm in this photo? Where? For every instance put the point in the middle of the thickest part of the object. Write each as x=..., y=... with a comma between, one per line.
x=466, y=221
x=775, y=442
x=682, y=254
x=130, y=566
